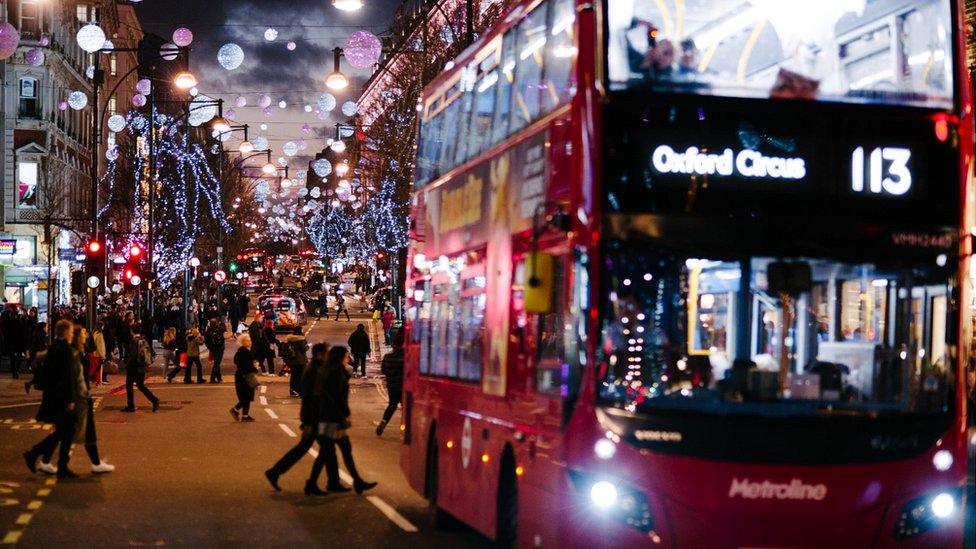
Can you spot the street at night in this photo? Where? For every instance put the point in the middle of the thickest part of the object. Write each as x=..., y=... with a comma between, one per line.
x=468, y=273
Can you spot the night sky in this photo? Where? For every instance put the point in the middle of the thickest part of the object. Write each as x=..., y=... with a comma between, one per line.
x=297, y=76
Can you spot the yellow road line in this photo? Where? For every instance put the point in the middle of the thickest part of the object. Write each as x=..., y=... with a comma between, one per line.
x=24, y=518
x=12, y=537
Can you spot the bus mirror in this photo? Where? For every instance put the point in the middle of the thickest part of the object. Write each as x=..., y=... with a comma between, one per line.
x=538, y=287
x=789, y=278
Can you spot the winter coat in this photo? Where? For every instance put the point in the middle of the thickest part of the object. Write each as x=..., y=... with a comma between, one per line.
x=193, y=345
x=244, y=361
x=309, y=413
x=295, y=351
x=387, y=317
x=137, y=357
x=56, y=380
x=359, y=342
x=392, y=368
x=14, y=332
x=334, y=399
x=215, y=339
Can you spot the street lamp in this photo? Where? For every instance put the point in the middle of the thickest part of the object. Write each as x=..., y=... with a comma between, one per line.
x=336, y=81
x=220, y=124
x=338, y=146
x=347, y=5
x=342, y=169
x=269, y=169
x=185, y=80
x=246, y=147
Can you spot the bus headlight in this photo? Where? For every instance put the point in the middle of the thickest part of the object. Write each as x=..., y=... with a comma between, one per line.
x=615, y=500
x=603, y=494
x=925, y=513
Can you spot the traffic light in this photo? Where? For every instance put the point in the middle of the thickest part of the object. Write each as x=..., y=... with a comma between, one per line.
x=232, y=267
x=135, y=252
x=95, y=259
x=133, y=273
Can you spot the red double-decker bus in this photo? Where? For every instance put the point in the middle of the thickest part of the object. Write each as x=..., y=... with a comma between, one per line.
x=696, y=274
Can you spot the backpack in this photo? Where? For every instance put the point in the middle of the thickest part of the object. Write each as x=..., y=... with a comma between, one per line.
x=287, y=352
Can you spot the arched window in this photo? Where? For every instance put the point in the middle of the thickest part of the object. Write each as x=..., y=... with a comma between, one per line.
x=29, y=106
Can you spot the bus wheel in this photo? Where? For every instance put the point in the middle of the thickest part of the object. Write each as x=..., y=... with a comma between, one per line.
x=507, y=511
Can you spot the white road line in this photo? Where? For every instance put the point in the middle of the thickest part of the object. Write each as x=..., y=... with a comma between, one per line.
x=287, y=430
x=271, y=413
x=392, y=514
x=313, y=452
x=346, y=477
x=264, y=389
x=22, y=405
x=263, y=400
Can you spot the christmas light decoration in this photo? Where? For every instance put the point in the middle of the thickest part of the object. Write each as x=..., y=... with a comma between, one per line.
x=230, y=56
x=182, y=37
x=271, y=34
x=349, y=108
x=326, y=102
x=362, y=49
x=264, y=101
x=34, y=57
x=144, y=86
x=77, y=100
x=116, y=123
x=90, y=37
x=9, y=39
x=169, y=51
x=241, y=101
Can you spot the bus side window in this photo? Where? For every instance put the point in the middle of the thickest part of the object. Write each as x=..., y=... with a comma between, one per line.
x=551, y=337
x=472, y=323
x=421, y=332
x=560, y=54
x=503, y=99
x=528, y=68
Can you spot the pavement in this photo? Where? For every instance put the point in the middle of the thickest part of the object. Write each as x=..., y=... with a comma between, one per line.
x=189, y=475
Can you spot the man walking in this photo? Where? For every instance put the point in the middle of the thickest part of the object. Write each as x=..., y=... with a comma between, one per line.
x=137, y=360
x=215, y=344
x=294, y=352
x=392, y=368
x=359, y=348
x=341, y=307
x=58, y=404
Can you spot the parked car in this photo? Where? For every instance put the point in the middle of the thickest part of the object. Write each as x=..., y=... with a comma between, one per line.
x=285, y=312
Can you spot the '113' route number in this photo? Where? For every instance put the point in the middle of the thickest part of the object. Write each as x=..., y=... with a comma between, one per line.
x=887, y=170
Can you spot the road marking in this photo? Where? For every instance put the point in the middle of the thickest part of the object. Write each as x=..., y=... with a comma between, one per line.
x=313, y=452
x=22, y=405
x=51, y=481
x=35, y=505
x=264, y=401
x=392, y=514
x=287, y=430
x=271, y=413
x=343, y=475
x=264, y=389
x=24, y=519
x=43, y=492
x=12, y=537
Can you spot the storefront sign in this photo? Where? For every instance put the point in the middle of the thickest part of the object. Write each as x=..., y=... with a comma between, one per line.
x=8, y=246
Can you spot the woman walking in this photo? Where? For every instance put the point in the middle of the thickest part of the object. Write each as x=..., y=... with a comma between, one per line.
x=169, y=350
x=246, y=371
x=97, y=348
x=215, y=344
x=332, y=389
x=193, y=342
x=54, y=378
x=84, y=401
x=294, y=352
x=392, y=368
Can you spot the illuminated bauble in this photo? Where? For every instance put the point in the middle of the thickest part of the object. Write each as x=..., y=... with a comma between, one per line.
x=169, y=51
x=302, y=144
x=315, y=192
x=62, y=105
x=290, y=148
x=271, y=34
x=194, y=92
x=303, y=192
x=241, y=101
x=77, y=100
x=291, y=46
x=183, y=37
x=116, y=123
x=342, y=193
x=268, y=112
x=349, y=108
x=144, y=86
x=44, y=41
x=282, y=104
x=215, y=149
x=90, y=72
x=306, y=129
x=138, y=100
x=112, y=153
x=230, y=56
x=231, y=114
x=322, y=115
x=345, y=131
x=34, y=57
x=264, y=101
x=301, y=174
x=326, y=102
x=362, y=49
x=220, y=136
x=264, y=127
x=108, y=45
x=282, y=160
x=202, y=110
x=308, y=108
x=356, y=205
x=322, y=167
x=10, y=38
x=90, y=37
x=260, y=143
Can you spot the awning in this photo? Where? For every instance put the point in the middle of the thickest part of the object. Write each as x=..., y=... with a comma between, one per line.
x=15, y=276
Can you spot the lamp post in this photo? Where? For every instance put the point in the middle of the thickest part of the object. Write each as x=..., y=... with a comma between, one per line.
x=245, y=148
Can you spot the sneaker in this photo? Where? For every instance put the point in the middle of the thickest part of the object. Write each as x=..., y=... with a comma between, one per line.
x=103, y=467
x=235, y=414
x=247, y=418
x=47, y=468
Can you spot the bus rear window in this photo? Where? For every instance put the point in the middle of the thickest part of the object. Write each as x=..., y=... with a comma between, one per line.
x=856, y=51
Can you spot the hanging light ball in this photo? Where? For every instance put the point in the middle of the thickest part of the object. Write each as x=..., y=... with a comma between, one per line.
x=264, y=127
x=44, y=41
x=290, y=148
x=282, y=160
x=306, y=129
x=303, y=192
x=138, y=100
x=322, y=115
x=90, y=37
x=282, y=104
x=90, y=72
x=241, y=101
x=268, y=112
x=108, y=45
x=202, y=110
x=9, y=39
x=231, y=114
x=116, y=123
x=77, y=100
x=183, y=37
x=194, y=92
x=326, y=102
x=315, y=192
x=349, y=108
x=291, y=46
x=362, y=49
x=230, y=56
x=169, y=51
x=271, y=34
x=308, y=108
x=34, y=57
x=260, y=143
x=301, y=174
x=62, y=105
x=302, y=144
x=144, y=86
x=322, y=167
x=338, y=146
x=112, y=153
x=264, y=101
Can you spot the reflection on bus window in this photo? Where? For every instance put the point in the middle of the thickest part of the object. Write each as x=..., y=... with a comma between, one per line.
x=691, y=333
x=863, y=51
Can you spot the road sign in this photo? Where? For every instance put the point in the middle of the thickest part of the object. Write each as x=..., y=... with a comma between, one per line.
x=220, y=276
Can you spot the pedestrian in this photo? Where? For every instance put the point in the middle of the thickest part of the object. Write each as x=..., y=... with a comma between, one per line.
x=392, y=368
x=244, y=380
x=58, y=403
x=169, y=350
x=332, y=389
x=193, y=342
x=38, y=343
x=137, y=360
x=233, y=314
x=387, y=319
x=294, y=353
x=309, y=416
x=271, y=344
x=341, y=307
x=85, y=420
x=97, y=345
x=179, y=349
x=14, y=326
x=323, y=307
x=360, y=348
x=214, y=340
x=258, y=342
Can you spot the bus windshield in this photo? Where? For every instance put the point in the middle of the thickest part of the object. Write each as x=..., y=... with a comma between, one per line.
x=725, y=336
x=895, y=52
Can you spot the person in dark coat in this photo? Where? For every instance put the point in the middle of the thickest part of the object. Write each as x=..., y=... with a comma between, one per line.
x=244, y=361
x=392, y=368
x=256, y=331
x=332, y=389
x=215, y=344
x=14, y=327
x=271, y=344
x=294, y=352
x=137, y=361
x=308, y=415
x=59, y=402
x=359, y=347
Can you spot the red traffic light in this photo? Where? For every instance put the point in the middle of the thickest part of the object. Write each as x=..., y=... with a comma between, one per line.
x=94, y=247
x=135, y=251
x=128, y=273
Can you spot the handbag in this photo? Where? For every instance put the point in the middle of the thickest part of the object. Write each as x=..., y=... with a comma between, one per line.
x=110, y=367
x=252, y=380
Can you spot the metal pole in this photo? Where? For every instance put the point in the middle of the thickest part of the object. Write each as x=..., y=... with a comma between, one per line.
x=151, y=232
x=469, y=21
x=95, y=139
x=220, y=233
